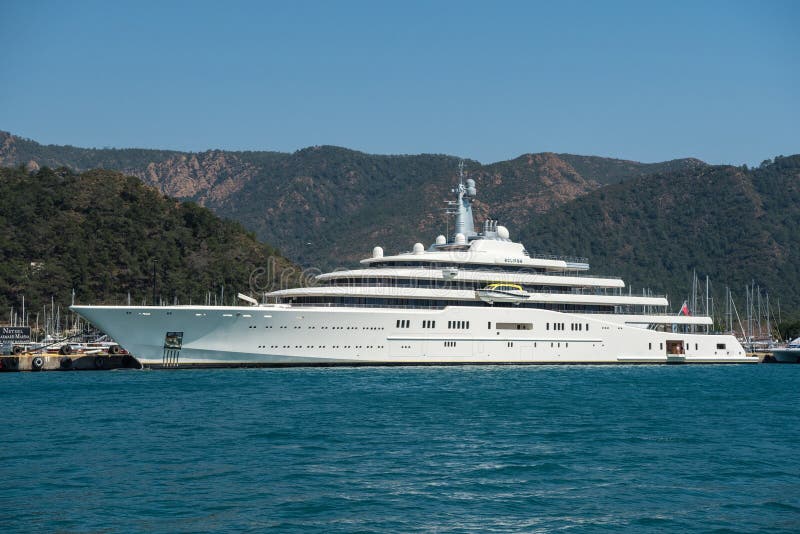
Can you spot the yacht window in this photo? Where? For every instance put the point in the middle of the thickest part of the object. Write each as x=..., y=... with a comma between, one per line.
x=695, y=346
x=489, y=324
x=467, y=324
x=515, y=326
x=720, y=346
x=548, y=326
x=587, y=327
x=660, y=346
x=649, y=346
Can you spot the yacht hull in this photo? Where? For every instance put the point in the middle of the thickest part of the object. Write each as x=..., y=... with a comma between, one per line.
x=786, y=355
x=199, y=336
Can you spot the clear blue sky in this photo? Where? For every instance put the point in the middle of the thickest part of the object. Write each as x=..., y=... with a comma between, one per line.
x=486, y=80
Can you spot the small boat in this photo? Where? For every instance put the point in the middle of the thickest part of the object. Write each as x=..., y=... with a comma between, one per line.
x=502, y=292
x=788, y=354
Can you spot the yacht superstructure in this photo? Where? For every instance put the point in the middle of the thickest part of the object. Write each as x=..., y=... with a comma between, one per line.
x=468, y=298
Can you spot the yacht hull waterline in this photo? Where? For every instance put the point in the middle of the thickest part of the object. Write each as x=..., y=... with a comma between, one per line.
x=272, y=336
x=428, y=306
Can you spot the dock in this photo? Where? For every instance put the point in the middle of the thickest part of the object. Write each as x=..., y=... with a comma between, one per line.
x=36, y=361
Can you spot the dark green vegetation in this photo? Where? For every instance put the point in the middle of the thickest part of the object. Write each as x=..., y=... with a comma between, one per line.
x=21, y=150
x=789, y=330
x=734, y=224
x=100, y=231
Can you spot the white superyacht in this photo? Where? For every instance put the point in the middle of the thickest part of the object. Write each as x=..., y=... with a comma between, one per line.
x=469, y=298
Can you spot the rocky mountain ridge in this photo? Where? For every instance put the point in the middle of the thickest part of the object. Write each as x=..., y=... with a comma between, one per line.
x=327, y=206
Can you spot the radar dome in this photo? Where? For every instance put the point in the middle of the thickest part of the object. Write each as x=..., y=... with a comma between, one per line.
x=418, y=248
x=502, y=232
x=441, y=240
x=471, y=187
x=377, y=252
x=460, y=239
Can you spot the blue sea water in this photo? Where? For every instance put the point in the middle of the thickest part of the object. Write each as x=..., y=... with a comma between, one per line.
x=444, y=449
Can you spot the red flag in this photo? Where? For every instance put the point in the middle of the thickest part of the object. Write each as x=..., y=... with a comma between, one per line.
x=684, y=309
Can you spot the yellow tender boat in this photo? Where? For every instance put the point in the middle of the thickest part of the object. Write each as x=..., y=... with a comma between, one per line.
x=502, y=292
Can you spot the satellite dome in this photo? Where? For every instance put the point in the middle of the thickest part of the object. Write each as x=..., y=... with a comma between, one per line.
x=460, y=239
x=471, y=187
x=441, y=240
x=377, y=252
x=502, y=232
x=418, y=248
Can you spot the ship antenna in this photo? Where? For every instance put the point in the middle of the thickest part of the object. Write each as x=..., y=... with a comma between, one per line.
x=461, y=172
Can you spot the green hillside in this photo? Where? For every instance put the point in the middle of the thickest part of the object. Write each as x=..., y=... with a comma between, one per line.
x=734, y=224
x=99, y=232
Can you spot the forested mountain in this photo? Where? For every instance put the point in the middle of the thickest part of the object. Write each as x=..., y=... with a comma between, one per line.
x=99, y=232
x=734, y=224
x=328, y=206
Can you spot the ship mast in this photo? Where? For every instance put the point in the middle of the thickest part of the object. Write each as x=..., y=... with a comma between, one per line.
x=463, y=209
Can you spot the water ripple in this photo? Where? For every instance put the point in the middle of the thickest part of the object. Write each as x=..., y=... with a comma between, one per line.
x=490, y=449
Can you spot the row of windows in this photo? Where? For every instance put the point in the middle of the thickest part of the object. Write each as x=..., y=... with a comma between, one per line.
x=575, y=327
x=382, y=302
x=463, y=285
x=470, y=266
x=322, y=346
x=406, y=323
x=672, y=345
x=449, y=343
x=329, y=327
x=535, y=345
